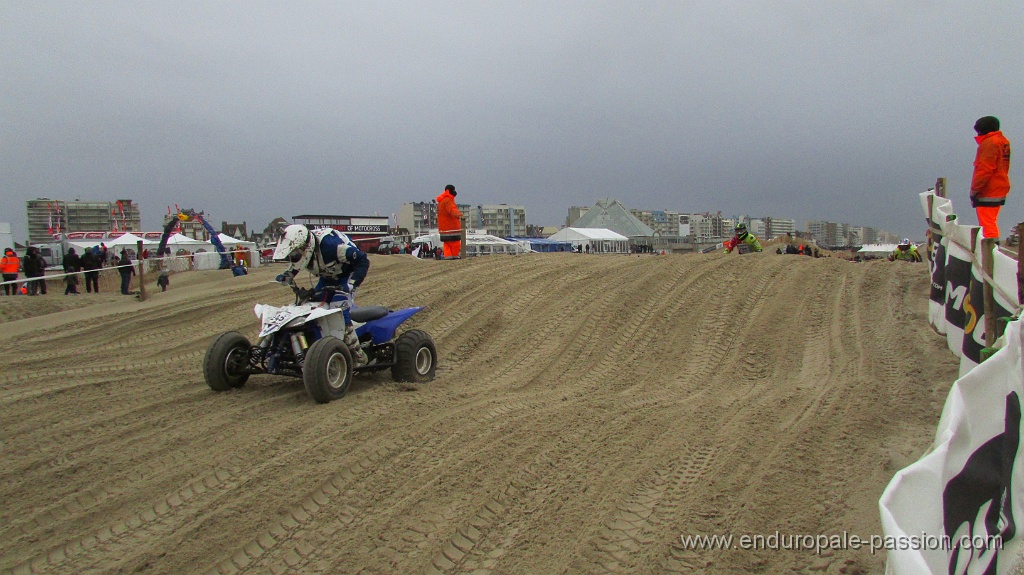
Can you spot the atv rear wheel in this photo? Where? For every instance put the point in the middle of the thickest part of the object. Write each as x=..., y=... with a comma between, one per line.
x=327, y=369
x=415, y=357
x=226, y=361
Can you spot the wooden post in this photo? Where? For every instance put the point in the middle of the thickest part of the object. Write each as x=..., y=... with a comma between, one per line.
x=988, y=245
x=1020, y=265
x=142, y=266
x=462, y=238
x=931, y=222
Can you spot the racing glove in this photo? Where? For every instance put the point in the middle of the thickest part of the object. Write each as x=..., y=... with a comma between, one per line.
x=285, y=278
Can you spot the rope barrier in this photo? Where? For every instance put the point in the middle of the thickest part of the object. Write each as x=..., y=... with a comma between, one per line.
x=133, y=265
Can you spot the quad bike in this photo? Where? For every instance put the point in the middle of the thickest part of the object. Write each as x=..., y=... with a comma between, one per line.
x=305, y=340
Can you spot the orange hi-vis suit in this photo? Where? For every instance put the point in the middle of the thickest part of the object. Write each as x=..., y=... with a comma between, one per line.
x=10, y=263
x=449, y=224
x=991, y=181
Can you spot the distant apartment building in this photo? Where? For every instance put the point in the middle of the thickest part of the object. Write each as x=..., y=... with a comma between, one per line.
x=834, y=234
x=885, y=237
x=684, y=225
x=775, y=227
x=707, y=226
x=663, y=222
x=831, y=234
x=502, y=220
x=864, y=236
x=418, y=218
x=758, y=227
x=47, y=217
x=575, y=213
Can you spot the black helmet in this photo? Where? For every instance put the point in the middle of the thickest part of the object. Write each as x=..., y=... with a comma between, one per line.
x=986, y=124
x=741, y=228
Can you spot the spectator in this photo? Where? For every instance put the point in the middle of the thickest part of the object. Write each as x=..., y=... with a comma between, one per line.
x=9, y=266
x=449, y=223
x=990, y=183
x=71, y=284
x=91, y=265
x=163, y=280
x=35, y=267
x=127, y=270
x=72, y=265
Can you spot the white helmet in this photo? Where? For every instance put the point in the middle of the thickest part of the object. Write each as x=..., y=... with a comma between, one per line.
x=295, y=246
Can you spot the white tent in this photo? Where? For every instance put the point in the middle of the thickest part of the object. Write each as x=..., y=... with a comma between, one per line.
x=190, y=253
x=877, y=250
x=600, y=240
x=478, y=243
x=181, y=239
x=128, y=239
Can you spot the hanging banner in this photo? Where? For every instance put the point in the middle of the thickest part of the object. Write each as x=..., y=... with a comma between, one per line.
x=975, y=469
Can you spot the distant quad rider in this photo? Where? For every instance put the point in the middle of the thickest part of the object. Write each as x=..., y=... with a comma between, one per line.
x=744, y=240
x=905, y=251
x=333, y=257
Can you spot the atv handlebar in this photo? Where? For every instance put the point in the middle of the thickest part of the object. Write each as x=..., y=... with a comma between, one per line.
x=302, y=295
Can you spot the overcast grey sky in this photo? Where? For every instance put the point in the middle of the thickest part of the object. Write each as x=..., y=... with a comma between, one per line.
x=248, y=110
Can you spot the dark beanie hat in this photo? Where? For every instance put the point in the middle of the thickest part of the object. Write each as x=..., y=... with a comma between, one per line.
x=451, y=188
x=986, y=125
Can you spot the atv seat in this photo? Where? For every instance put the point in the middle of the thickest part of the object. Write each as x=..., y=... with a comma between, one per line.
x=368, y=313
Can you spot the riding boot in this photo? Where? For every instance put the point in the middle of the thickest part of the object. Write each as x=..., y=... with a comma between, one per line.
x=352, y=341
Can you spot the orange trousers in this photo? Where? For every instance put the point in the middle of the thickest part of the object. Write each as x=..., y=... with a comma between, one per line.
x=452, y=249
x=988, y=217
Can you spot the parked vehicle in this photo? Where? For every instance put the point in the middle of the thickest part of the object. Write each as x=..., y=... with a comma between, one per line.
x=305, y=340
x=52, y=253
x=387, y=245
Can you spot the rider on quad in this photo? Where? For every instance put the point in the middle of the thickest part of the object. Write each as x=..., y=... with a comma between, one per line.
x=905, y=251
x=744, y=240
x=341, y=266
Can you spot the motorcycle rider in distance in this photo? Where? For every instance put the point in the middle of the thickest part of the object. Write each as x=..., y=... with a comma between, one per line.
x=333, y=257
x=742, y=237
x=905, y=251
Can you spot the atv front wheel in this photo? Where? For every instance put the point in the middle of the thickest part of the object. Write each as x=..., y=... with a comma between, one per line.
x=327, y=369
x=226, y=361
x=415, y=357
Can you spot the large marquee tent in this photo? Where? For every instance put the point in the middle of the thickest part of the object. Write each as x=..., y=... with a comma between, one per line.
x=599, y=240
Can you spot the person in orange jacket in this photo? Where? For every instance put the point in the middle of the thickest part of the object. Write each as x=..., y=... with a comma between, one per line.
x=449, y=223
x=991, y=181
x=9, y=266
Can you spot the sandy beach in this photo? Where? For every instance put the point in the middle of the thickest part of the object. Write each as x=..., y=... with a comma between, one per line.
x=588, y=413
